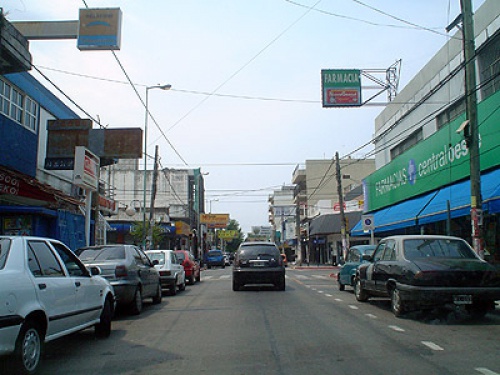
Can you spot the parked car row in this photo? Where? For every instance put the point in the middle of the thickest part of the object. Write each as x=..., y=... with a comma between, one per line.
x=422, y=272
x=48, y=291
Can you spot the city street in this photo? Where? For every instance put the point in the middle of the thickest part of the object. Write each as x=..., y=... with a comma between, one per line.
x=311, y=328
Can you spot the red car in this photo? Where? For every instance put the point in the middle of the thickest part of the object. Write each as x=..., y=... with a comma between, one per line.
x=191, y=266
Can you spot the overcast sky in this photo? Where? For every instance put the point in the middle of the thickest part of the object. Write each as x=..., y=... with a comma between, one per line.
x=245, y=103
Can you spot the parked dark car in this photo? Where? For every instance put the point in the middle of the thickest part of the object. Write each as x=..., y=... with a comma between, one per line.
x=129, y=270
x=190, y=264
x=424, y=272
x=258, y=263
x=215, y=258
x=347, y=272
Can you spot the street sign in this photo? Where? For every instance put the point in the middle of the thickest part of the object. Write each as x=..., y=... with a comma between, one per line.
x=368, y=222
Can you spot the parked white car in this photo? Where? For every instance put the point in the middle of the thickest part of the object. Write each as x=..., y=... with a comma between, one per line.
x=45, y=293
x=172, y=275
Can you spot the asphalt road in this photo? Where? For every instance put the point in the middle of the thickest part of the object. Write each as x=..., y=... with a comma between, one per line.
x=311, y=328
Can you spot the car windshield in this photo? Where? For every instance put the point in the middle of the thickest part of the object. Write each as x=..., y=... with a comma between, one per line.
x=250, y=252
x=437, y=248
x=102, y=253
x=160, y=257
x=215, y=253
x=180, y=255
x=4, y=250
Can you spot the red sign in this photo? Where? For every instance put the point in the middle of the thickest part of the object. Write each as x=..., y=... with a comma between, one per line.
x=342, y=96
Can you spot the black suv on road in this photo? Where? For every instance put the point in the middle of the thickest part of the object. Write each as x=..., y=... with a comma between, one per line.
x=258, y=263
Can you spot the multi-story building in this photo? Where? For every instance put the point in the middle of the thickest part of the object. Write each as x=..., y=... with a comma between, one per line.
x=282, y=216
x=422, y=181
x=178, y=201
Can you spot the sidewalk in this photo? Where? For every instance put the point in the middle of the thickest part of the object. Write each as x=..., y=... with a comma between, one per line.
x=313, y=267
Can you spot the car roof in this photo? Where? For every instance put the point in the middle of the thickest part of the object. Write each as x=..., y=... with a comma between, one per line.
x=422, y=236
x=159, y=251
x=254, y=243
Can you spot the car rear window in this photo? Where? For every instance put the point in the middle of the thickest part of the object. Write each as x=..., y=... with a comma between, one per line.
x=180, y=255
x=215, y=253
x=4, y=251
x=253, y=251
x=160, y=257
x=102, y=253
x=437, y=248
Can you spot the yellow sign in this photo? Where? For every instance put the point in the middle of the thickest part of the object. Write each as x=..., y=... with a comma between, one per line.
x=227, y=234
x=215, y=219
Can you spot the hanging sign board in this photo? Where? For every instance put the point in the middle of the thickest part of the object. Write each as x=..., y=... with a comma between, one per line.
x=341, y=87
x=100, y=29
x=86, y=172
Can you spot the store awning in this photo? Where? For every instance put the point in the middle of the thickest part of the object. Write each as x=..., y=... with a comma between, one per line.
x=330, y=223
x=433, y=206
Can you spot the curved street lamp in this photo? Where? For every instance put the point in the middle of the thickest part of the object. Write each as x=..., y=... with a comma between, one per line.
x=161, y=87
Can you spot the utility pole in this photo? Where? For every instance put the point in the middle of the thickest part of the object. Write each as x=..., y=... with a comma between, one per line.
x=343, y=222
x=472, y=130
x=153, y=197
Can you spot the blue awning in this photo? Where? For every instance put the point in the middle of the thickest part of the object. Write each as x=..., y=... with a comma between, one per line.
x=433, y=206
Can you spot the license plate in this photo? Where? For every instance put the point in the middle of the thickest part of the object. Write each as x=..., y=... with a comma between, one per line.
x=462, y=299
x=259, y=264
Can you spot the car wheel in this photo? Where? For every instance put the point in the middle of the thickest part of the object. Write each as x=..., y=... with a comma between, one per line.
x=281, y=285
x=397, y=305
x=198, y=278
x=236, y=285
x=182, y=287
x=158, y=296
x=29, y=346
x=103, y=328
x=136, y=306
x=341, y=286
x=360, y=294
x=191, y=280
x=173, y=289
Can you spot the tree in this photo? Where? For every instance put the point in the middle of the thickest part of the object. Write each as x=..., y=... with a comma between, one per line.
x=233, y=245
x=139, y=234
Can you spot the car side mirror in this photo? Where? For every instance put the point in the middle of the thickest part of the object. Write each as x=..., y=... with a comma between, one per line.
x=94, y=271
x=155, y=262
x=367, y=257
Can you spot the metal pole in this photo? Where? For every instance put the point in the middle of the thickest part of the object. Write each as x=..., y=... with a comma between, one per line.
x=144, y=230
x=343, y=223
x=472, y=135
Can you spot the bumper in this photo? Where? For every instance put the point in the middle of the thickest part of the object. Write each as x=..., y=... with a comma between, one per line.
x=167, y=281
x=441, y=295
x=215, y=263
x=258, y=276
x=9, y=330
x=124, y=293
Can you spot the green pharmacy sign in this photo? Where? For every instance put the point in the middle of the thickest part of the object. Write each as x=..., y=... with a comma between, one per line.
x=341, y=87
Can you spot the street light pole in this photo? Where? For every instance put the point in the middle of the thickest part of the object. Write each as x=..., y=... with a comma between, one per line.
x=161, y=87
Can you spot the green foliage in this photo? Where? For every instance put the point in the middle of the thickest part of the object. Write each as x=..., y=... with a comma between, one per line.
x=139, y=234
x=233, y=245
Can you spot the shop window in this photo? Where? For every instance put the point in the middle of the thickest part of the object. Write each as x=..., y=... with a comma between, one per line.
x=17, y=106
x=450, y=113
x=409, y=142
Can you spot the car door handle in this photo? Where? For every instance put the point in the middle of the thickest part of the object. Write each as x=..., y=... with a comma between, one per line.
x=77, y=283
x=42, y=286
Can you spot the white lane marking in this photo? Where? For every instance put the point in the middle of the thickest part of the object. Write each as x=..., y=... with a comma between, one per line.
x=319, y=276
x=432, y=345
x=320, y=291
x=338, y=300
x=225, y=277
x=353, y=307
x=396, y=328
x=314, y=289
x=371, y=316
x=207, y=277
x=303, y=277
x=485, y=371
x=328, y=295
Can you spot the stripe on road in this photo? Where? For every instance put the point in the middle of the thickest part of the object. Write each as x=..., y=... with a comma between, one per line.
x=396, y=328
x=485, y=371
x=431, y=345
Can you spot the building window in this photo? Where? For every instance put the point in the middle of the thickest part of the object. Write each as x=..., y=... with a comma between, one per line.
x=450, y=113
x=18, y=107
x=489, y=67
x=412, y=140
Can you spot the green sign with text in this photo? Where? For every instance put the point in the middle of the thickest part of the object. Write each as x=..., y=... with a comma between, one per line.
x=341, y=87
x=441, y=159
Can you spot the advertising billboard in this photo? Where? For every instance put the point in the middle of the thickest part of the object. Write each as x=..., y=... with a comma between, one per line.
x=341, y=87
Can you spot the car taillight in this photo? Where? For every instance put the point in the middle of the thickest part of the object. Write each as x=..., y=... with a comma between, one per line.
x=121, y=271
x=165, y=273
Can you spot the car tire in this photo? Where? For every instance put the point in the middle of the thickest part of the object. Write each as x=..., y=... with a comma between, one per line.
x=360, y=294
x=397, y=305
x=198, y=278
x=29, y=347
x=158, y=296
x=236, y=285
x=281, y=284
x=182, y=287
x=173, y=289
x=192, y=280
x=136, y=305
x=103, y=328
x=341, y=286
